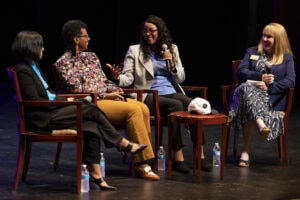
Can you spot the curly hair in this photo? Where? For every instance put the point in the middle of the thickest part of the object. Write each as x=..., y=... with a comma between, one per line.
x=164, y=37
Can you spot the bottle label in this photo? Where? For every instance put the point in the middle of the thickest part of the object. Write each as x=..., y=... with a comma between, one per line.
x=217, y=153
x=85, y=177
x=102, y=164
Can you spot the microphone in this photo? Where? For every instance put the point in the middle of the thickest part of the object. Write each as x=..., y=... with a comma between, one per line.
x=268, y=67
x=268, y=71
x=164, y=47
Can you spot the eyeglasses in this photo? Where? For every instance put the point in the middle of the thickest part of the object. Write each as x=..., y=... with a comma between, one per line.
x=149, y=31
x=86, y=36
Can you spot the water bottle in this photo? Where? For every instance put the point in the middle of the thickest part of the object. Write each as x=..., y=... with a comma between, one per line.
x=216, y=155
x=85, y=179
x=161, y=159
x=102, y=164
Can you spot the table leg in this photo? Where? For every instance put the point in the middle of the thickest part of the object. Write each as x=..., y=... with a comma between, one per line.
x=199, y=136
x=223, y=149
x=170, y=147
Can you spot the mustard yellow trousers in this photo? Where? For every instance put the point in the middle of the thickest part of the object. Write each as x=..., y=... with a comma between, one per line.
x=135, y=116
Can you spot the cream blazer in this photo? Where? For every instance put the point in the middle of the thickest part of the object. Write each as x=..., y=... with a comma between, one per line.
x=139, y=74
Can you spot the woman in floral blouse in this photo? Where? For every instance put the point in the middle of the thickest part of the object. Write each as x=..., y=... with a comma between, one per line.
x=81, y=71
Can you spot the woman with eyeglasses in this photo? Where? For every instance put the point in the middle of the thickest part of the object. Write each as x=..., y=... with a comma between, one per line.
x=80, y=70
x=155, y=64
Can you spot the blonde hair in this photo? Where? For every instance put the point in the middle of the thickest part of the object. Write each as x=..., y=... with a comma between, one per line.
x=281, y=42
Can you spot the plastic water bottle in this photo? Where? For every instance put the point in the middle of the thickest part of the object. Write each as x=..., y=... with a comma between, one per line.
x=102, y=164
x=216, y=155
x=161, y=159
x=85, y=179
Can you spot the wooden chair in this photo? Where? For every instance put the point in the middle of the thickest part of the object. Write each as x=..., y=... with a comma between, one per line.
x=282, y=139
x=28, y=137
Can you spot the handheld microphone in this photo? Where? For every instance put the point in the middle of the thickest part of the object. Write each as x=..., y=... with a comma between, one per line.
x=164, y=47
x=268, y=67
x=268, y=71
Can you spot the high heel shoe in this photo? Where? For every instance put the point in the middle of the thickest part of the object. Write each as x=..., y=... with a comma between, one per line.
x=128, y=148
x=102, y=187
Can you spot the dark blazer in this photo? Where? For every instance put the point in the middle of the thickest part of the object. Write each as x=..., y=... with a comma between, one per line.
x=39, y=118
x=33, y=89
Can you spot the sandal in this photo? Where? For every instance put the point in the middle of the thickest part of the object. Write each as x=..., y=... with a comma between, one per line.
x=244, y=163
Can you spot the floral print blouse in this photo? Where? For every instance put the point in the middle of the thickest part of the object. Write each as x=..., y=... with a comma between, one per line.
x=83, y=73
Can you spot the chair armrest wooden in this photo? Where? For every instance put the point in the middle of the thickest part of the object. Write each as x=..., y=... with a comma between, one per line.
x=138, y=93
x=154, y=93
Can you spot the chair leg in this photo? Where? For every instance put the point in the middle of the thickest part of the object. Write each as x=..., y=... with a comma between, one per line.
x=235, y=143
x=27, y=159
x=20, y=162
x=226, y=150
x=158, y=140
x=57, y=156
x=282, y=148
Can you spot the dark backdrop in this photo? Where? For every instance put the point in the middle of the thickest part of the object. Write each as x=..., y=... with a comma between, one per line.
x=209, y=35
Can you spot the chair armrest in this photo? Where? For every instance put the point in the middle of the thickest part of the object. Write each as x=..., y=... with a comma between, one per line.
x=78, y=95
x=154, y=93
x=41, y=103
x=138, y=92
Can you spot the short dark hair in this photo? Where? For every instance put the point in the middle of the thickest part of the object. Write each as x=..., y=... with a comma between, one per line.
x=71, y=29
x=27, y=46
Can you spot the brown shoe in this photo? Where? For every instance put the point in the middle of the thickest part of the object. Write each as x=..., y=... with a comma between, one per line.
x=146, y=173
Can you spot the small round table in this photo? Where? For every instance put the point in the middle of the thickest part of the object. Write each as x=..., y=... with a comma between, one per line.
x=186, y=117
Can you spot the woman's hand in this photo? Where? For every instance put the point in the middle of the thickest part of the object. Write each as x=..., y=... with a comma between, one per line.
x=261, y=85
x=117, y=96
x=267, y=78
x=70, y=99
x=114, y=70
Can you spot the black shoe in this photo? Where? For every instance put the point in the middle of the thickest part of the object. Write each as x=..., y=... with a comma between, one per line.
x=126, y=150
x=98, y=183
x=205, y=165
x=129, y=148
x=180, y=166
